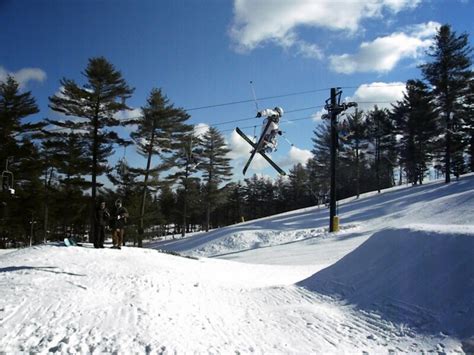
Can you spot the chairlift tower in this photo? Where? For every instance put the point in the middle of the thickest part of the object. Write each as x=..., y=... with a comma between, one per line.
x=334, y=108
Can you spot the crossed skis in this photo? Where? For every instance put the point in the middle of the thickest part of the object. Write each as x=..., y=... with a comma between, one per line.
x=257, y=148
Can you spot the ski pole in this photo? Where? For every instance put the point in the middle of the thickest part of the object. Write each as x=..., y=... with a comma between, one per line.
x=254, y=96
x=287, y=140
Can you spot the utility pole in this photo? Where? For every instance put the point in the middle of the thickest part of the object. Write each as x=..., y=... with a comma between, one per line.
x=334, y=141
x=334, y=108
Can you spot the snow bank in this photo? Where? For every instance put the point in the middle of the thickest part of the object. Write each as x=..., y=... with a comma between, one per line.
x=432, y=203
x=421, y=275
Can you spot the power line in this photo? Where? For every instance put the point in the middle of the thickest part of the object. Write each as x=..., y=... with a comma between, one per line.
x=292, y=120
x=253, y=117
x=259, y=98
x=281, y=96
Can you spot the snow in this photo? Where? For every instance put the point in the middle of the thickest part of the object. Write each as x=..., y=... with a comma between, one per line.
x=398, y=277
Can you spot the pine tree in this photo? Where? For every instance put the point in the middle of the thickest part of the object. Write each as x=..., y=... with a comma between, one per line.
x=354, y=145
x=319, y=165
x=449, y=74
x=382, y=138
x=468, y=119
x=216, y=169
x=96, y=103
x=65, y=165
x=160, y=131
x=185, y=160
x=300, y=195
x=14, y=107
x=16, y=146
x=416, y=121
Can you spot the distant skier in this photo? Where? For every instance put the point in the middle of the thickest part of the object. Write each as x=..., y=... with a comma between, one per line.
x=273, y=116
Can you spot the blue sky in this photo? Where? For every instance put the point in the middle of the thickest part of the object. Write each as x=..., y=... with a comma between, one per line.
x=206, y=52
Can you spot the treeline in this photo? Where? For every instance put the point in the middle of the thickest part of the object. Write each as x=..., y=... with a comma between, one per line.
x=184, y=181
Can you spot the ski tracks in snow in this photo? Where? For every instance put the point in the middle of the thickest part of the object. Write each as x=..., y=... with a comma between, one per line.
x=81, y=300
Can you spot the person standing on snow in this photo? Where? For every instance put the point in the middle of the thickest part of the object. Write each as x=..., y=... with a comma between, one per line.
x=119, y=220
x=102, y=217
x=273, y=116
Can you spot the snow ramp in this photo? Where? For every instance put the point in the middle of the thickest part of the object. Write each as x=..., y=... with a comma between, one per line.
x=421, y=276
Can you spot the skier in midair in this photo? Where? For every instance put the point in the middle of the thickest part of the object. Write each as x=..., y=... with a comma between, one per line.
x=272, y=115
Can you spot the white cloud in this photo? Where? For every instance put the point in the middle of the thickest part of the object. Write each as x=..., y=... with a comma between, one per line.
x=127, y=114
x=23, y=76
x=384, y=53
x=257, y=22
x=318, y=116
x=378, y=93
x=200, y=129
x=297, y=155
x=240, y=152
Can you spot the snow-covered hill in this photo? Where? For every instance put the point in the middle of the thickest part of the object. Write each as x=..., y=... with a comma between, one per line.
x=397, y=277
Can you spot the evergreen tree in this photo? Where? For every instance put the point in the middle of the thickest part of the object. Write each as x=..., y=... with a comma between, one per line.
x=23, y=158
x=14, y=107
x=96, y=103
x=160, y=131
x=168, y=207
x=65, y=162
x=298, y=190
x=185, y=160
x=233, y=207
x=381, y=135
x=319, y=165
x=354, y=145
x=216, y=169
x=468, y=118
x=416, y=121
x=449, y=73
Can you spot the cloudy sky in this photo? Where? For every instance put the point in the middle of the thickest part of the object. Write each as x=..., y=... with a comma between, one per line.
x=206, y=53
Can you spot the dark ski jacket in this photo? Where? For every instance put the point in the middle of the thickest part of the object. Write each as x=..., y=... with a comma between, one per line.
x=119, y=218
x=102, y=217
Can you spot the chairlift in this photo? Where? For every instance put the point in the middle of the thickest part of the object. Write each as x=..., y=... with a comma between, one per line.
x=7, y=180
x=123, y=164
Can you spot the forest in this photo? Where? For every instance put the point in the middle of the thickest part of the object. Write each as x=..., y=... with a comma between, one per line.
x=54, y=169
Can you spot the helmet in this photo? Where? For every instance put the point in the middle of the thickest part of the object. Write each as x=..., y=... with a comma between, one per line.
x=279, y=110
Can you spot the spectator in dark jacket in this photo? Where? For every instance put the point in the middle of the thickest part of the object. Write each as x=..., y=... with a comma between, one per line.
x=102, y=218
x=118, y=222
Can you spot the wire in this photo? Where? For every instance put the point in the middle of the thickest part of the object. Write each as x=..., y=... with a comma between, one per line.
x=253, y=118
x=259, y=98
x=271, y=97
x=276, y=97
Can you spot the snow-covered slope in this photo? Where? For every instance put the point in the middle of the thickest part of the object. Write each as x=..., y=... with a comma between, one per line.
x=434, y=203
x=398, y=277
x=419, y=275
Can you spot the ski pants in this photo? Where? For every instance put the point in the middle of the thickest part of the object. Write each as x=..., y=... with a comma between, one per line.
x=117, y=237
x=272, y=127
x=99, y=236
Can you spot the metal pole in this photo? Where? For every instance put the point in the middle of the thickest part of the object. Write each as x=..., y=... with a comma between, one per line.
x=31, y=232
x=332, y=195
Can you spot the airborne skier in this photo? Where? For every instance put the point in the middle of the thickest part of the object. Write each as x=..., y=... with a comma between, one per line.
x=270, y=128
x=267, y=142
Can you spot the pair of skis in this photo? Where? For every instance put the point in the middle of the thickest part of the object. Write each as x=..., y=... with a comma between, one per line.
x=257, y=148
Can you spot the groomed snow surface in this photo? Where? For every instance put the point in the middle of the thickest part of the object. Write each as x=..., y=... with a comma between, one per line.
x=398, y=277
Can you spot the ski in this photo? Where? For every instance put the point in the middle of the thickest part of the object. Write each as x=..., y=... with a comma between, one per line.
x=255, y=146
